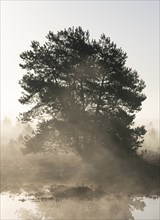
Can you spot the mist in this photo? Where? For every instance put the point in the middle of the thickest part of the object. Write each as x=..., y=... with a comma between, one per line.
x=69, y=167
x=93, y=188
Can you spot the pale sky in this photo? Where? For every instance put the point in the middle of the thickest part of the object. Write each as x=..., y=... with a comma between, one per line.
x=132, y=25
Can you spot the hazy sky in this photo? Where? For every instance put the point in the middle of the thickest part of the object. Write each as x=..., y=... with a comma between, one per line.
x=133, y=25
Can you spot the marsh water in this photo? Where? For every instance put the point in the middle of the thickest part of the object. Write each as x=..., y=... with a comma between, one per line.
x=40, y=205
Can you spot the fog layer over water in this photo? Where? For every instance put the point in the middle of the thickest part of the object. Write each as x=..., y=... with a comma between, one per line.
x=61, y=185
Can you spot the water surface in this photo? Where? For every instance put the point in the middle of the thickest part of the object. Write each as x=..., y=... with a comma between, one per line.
x=23, y=206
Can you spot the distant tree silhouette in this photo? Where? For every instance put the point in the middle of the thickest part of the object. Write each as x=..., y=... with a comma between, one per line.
x=82, y=95
x=7, y=123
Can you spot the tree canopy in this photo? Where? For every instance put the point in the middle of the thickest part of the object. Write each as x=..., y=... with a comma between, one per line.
x=82, y=94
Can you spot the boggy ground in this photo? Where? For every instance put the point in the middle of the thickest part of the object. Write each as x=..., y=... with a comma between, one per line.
x=64, y=187
x=62, y=176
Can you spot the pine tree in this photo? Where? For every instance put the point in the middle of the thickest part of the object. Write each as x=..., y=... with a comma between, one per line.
x=82, y=94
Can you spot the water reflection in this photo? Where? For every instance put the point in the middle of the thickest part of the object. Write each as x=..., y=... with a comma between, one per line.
x=107, y=207
x=151, y=210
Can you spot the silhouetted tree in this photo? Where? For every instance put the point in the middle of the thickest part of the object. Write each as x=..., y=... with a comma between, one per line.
x=82, y=94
